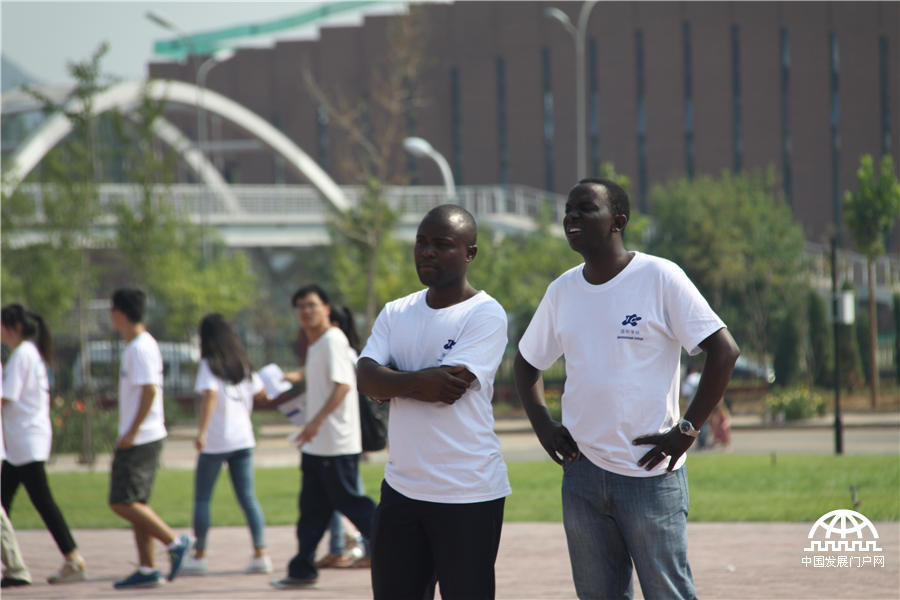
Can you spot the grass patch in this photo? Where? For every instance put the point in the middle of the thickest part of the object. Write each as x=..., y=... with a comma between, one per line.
x=724, y=487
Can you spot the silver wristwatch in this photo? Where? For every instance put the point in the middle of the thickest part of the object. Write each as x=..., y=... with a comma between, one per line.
x=687, y=428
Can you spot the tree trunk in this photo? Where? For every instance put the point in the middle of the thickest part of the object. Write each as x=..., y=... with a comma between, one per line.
x=873, y=333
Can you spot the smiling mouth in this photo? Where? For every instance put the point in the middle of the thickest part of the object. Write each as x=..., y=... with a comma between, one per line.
x=573, y=230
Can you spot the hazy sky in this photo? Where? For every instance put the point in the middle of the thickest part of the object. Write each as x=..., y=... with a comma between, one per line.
x=42, y=37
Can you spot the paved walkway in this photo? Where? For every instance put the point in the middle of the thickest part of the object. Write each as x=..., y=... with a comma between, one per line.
x=730, y=561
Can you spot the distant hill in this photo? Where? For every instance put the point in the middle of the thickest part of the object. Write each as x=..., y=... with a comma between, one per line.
x=13, y=75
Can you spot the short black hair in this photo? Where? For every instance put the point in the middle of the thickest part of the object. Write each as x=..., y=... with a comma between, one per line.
x=448, y=212
x=618, y=197
x=306, y=290
x=131, y=303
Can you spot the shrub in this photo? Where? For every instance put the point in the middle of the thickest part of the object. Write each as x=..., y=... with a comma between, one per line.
x=68, y=417
x=794, y=403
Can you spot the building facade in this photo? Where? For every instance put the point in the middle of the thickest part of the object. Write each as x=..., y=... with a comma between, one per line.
x=673, y=89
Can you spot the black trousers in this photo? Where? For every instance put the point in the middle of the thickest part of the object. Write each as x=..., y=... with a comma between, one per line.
x=34, y=477
x=414, y=541
x=329, y=483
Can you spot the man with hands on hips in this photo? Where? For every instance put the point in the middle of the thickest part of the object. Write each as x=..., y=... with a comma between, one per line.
x=621, y=319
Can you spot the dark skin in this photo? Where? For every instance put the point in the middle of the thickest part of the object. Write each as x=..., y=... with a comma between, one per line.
x=445, y=245
x=595, y=232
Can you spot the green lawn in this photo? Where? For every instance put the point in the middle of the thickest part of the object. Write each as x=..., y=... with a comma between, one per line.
x=723, y=488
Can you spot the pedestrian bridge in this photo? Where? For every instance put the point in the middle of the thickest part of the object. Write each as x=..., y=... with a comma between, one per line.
x=280, y=216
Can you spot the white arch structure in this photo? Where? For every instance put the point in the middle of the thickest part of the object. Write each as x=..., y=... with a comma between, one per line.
x=126, y=97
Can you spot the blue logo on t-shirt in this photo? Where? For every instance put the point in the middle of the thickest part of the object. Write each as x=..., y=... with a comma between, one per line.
x=449, y=344
x=631, y=320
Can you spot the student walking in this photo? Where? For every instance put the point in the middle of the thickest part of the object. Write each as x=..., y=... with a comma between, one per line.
x=225, y=435
x=141, y=433
x=27, y=432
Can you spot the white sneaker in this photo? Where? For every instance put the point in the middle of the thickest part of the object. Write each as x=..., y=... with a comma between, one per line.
x=260, y=564
x=193, y=566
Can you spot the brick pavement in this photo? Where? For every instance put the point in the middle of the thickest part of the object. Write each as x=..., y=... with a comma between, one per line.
x=731, y=561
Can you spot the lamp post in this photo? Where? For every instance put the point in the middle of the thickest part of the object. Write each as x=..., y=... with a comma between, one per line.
x=578, y=34
x=422, y=148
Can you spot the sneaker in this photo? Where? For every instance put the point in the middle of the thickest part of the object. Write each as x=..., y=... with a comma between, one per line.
x=193, y=566
x=140, y=580
x=259, y=564
x=335, y=561
x=178, y=554
x=70, y=572
x=293, y=583
x=362, y=563
x=8, y=582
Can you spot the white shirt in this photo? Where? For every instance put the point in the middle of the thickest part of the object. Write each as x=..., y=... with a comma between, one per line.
x=142, y=365
x=229, y=428
x=328, y=363
x=26, y=417
x=622, y=343
x=443, y=452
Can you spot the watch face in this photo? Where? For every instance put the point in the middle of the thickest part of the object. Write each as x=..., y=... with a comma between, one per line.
x=685, y=427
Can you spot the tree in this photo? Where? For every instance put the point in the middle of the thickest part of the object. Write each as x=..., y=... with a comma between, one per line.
x=163, y=250
x=871, y=212
x=374, y=126
x=736, y=238
x=821, y=341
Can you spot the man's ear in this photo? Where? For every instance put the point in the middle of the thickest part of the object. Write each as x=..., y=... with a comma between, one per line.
x=619, y=222
x=471, y=251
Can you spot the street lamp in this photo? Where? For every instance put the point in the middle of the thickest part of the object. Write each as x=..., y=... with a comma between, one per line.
x=578, y=34
x=420, y=147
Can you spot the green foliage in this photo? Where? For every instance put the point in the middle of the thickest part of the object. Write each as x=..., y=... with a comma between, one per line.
x=737, y=239
x=791, y=404
x=821, y=341
x=897, y=336
x=69, y=420
x=872, y=210
x=864, y=344
x=787, y=349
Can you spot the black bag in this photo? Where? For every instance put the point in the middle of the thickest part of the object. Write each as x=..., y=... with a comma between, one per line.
x=373, y=420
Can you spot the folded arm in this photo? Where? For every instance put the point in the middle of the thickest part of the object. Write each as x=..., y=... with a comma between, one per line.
x=444, y=384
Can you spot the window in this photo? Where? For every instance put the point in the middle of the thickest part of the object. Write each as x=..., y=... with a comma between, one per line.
x=502, y=149
x=786, y=146
x=641, y=125
x=455, y=126
x=736, y=125
x=594, y=109
x=548, y=118
x=884, y=86
x=688, y=103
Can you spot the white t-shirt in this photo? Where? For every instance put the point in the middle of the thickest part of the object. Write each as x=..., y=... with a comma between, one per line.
x=690, y=384
x=26, y=417
x=327, y=364
x=142, y=365
x=622, y=343
x=230, y=428
x=443, y=452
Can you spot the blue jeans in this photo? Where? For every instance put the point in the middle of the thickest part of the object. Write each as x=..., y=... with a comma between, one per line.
x=240, y=468
x=612, y=520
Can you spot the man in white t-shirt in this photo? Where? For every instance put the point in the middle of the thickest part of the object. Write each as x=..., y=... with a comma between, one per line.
x=621, y=319
x=434, y=354
x=141, y=433
x=330, y=441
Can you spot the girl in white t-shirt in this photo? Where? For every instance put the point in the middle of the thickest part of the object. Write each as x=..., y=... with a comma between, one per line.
x=26, y=429
x=225, y=434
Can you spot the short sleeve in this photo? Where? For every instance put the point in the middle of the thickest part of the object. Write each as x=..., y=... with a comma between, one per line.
x=256, y=383
x=145, y=370
x=340, y=367
x=688, y=313
x=206, y=380
x=14, y=377
x=481, y=343
x=540, y=344
x=378, y=345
